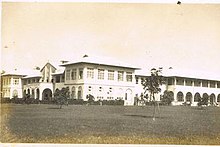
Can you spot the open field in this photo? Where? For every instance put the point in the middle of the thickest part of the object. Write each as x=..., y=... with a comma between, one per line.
x=110, y=124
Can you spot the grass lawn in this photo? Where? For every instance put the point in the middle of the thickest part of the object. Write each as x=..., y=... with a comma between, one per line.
x=110, y=124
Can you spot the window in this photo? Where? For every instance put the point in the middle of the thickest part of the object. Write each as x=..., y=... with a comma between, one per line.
x=170, y=81
x=101, y=74
x=57, y=79
x=24, y=82
x=15, y=81
x=62, y=78
x=212, y=84
x=120, y=75
x=204, y=83
x=218, y=85
x=136, y=80
x=129, y=77
x=73, y=74
x=90, y=73
x=110, y=75
x=68, y=74
x=179, y=81
x=80, y=73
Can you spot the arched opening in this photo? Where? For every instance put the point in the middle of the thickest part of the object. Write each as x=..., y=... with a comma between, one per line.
x=32, y=93
x=15, y=94
x=205, y=98
x=128, y=95
x=80, y=92
x=73, y=94
x=212, y=99
x=171, y=95
x=37, y=93
x=188, y=97
x=180, y=96
x=218, y=99
x=28, y=91
x=197, y=97
x=47, y=94
x=24, y=93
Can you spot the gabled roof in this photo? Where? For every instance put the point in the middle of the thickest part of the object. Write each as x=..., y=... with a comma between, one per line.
x=46, y=65
x=100, y=61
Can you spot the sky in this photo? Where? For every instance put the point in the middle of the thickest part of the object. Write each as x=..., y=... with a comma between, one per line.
x=146, y=35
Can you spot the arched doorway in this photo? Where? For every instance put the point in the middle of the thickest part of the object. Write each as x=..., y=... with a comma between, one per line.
x=218, y=99
x=28, y=92
x=47, y=94
x=212, y=99
x=32, y=93
x=24, y=93
x=128, y=95
x=15, y=94
x=197, y=97
x=188, y=97
x=73, y=94
x=37, y=93
x=80, y=92
x=180, y=96
x=205, y=98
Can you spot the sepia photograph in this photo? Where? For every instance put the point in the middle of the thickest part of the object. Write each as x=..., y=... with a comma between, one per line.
x=110, y=72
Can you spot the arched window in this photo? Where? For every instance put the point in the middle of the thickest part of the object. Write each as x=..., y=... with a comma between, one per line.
x=80, y=92
x=38, y=93
x=128, y=95
x=15, y=94
x=188, y=97
x=73, y=92
x=212, y=98
x=218, y=99
x=32, y=93
x=180, y=96
x=197, y=97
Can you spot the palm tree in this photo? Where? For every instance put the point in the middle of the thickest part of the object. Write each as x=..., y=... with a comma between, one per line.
x=152, y=85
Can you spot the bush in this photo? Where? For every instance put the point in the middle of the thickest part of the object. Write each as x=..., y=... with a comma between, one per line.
x=5, y=100
x=113, y=102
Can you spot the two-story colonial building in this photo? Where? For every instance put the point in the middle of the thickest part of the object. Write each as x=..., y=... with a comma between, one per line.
x=186, y=87
x=102, y=78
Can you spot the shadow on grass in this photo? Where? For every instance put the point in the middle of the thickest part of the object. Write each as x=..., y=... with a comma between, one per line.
x=143, y=116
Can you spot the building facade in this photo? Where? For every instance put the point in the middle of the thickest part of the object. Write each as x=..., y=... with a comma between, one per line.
x=106, y=80
x=11, y=86
x=103, y=81
x=186, y=90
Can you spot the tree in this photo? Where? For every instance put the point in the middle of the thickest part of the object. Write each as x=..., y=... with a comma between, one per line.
x=203, y=101
x=167, y=97
x=90, y=98
x=152, y=85
x=61, y=96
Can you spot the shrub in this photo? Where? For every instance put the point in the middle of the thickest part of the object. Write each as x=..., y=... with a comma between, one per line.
x=5, y=100
x=113, y=102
